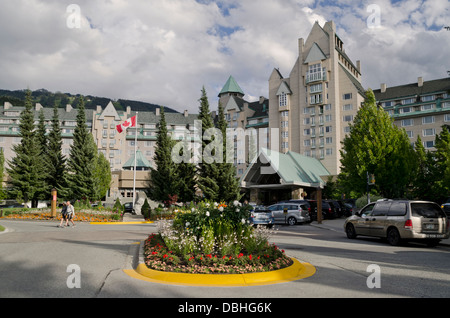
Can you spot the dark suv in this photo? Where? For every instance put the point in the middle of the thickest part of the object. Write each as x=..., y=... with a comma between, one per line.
x=327, y=211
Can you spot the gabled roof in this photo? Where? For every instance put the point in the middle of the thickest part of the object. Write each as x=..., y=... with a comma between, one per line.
x=284, y=88
x=141, y=162
x=110, y=111
x=231, y=86
x=408, y=90
x=315, y=54
x=292, y=169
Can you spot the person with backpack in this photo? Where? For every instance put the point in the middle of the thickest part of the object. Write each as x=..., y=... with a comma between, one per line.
x=70, y=214
x=63, y=214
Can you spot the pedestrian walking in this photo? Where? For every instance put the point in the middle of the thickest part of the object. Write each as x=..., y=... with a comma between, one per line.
x=63, y=214
x=70, y=214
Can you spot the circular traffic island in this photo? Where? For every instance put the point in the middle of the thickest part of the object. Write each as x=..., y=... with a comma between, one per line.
x=271, y=266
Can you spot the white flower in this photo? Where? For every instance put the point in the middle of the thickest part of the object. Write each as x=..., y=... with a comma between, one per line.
x=221, y=209
x=193, y=209
x=243, y=221
x=187, y=224
x=237, y=210
x=207, y=204
x=207, y=213
x=216, y=204
x=236, y=202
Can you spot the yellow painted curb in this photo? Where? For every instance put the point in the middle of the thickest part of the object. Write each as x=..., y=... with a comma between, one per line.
x=121, y=223
x=294, y=272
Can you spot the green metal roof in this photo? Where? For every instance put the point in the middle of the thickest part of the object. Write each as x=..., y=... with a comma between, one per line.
x=231, y=86
x=292, y=169
x=141, y=161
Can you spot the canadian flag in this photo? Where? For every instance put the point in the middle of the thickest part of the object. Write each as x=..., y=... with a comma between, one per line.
x=131, y=122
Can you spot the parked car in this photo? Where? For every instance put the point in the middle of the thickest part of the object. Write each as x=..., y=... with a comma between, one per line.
x=400, y=220
x=327, y=211
x=446, y=207
x=338, y=209
x=290, y=212
x=260, y=215
x=347, y=208
x=128, y=208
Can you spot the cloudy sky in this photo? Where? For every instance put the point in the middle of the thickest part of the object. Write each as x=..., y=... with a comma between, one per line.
x=164, y=51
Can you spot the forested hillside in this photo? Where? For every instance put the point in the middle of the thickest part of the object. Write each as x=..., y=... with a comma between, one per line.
x=49, y=99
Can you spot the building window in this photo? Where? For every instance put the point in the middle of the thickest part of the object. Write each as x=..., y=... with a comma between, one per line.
x=407, y=122
x=447, y=117
x=405, y=110
x=427, y=120
x=306, y=132
x=328, y=129
x=388, y=104
x=348, y=107
x=307, y=142
x=284, y=124
x=347, y=96
x=284, y=145
x=285, y=114
x=283, y=100
x=429, y=132
x=408, y=101
x=329, y=151
x=427, y=107
x=316, y=99
x=446, y=105
x=316, y=88
x=410, y=133
x=428, y=98
x=348, y=118
x=428, y=144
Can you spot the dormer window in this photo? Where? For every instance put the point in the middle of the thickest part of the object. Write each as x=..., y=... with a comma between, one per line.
x=283, y=100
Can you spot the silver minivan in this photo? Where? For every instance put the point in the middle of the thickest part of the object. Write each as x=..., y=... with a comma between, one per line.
x=290, y=213
x=400, y=220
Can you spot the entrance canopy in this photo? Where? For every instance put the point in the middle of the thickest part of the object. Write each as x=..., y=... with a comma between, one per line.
x=287, y=174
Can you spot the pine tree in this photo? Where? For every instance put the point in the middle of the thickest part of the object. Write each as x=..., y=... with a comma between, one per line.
x=81, y=162
x=26, y=168
x=207, y=172
x=56, y=162
x=229, y=188
x=164, y=180
x=441, y=177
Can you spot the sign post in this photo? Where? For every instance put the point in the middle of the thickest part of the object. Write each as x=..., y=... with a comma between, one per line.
x=54, y=198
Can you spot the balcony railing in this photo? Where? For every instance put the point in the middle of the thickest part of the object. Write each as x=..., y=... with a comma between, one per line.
x=316, y=77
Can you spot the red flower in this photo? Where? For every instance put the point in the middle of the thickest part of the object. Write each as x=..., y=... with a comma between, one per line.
x=250, y=257
x=240, y=255
x=165, y=255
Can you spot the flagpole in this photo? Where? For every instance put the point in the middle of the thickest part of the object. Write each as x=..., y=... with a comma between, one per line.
x=134, y=172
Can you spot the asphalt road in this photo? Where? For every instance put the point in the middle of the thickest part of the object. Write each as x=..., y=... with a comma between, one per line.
x=37, y=259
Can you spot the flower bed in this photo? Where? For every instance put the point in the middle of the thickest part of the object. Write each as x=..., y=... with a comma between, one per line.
x=212, y=238
x=84, y=215
x=159, y=257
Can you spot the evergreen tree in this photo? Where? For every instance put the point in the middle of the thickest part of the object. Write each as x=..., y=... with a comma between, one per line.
x=26, y=168
x=207, y=171
x=229, y=188
x=42, y=141
x=376, y=146
x=2, y=174
x=56, y=162
x=441, y=184
x=164, y=180
x=81, y=162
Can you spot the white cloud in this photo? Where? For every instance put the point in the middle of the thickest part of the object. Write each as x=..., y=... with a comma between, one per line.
x=164, y=51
